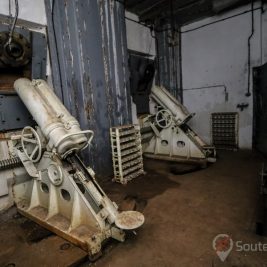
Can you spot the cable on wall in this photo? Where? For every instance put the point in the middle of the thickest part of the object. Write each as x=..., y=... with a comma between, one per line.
x=196, y=28
x=14, y=22
x=248, y=93
x=137, y=22
x=209, y=87
x=219, y=20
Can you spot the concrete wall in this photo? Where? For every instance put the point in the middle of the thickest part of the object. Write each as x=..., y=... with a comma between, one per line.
x=138, y=36
x=30, y=10
x=217, y=55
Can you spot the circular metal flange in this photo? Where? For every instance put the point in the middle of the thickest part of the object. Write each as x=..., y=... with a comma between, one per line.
x=55, y=174
x=16, y=54
x=31, y=145
x=129, y=220
x=164, y=118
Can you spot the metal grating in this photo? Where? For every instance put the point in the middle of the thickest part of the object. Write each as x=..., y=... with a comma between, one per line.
x=126, y=153
x=225, y=130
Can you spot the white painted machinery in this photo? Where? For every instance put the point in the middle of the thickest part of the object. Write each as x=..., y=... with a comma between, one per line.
x=166, y=135
x=58, y=191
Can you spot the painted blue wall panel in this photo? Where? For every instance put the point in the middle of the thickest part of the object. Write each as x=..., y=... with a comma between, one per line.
x=93, y=66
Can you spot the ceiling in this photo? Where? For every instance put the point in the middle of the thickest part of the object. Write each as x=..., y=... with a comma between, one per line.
x=183, y=11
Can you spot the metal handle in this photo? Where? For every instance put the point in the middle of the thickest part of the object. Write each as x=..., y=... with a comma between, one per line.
x=35, y=141
x=164, y=118
x=72, y=134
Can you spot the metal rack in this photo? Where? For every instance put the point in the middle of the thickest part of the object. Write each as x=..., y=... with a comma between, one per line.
x=126, y=153
x=224, y=127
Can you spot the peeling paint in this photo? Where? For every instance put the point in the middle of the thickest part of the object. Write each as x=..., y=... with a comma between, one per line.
x=93, y=62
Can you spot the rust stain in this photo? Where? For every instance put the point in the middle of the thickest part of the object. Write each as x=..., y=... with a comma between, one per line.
x=3, y=137
x=89, y=107
x=106, y=61
x=75, y=96
x=89, y=110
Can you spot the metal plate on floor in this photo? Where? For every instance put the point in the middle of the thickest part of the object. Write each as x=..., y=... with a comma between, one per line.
x=129, y=220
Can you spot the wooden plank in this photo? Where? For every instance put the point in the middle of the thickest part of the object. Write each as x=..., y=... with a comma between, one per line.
x=24, y=244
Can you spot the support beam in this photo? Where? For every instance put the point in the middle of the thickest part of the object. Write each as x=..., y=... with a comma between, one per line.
x=92, y=74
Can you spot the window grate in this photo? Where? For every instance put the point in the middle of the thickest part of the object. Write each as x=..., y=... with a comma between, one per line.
x=225, y=130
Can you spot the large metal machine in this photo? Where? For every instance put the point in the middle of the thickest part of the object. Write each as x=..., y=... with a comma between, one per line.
x=23, y=53
x=57, y=190
x=166, y=134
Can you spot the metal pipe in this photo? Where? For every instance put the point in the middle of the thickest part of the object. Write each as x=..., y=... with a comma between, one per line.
x=54, y=102
x=60, y=111
x=41, y=112
x=60, y=128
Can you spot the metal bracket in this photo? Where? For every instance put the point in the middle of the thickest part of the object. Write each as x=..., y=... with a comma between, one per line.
x=28, y=165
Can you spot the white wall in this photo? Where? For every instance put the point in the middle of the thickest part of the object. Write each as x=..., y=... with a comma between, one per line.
x=138, y=36
x=218, y=55
x=30, y=10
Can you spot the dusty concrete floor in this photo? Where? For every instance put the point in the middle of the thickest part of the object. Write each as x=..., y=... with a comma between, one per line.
x=183, y=214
